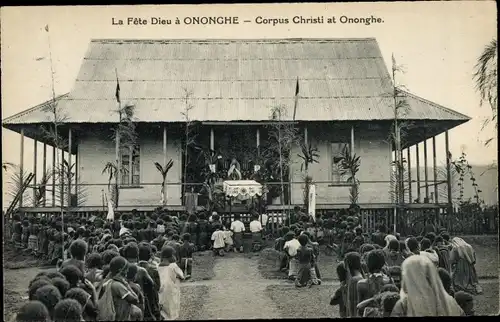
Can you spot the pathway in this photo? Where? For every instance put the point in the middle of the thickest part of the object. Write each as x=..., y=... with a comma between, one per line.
x=236, y=292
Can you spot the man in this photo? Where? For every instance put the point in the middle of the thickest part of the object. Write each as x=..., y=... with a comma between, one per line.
x=256, y=230
x=238, y=228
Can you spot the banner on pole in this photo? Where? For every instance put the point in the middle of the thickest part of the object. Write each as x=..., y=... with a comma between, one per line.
x=312, y=201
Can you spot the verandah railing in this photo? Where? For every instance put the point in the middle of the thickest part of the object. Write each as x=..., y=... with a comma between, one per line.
x=331, y=197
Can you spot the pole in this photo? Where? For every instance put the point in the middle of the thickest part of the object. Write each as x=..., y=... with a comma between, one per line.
x=21, y=167
x=410, y=200
x=44, y=167
x=418, y=173
x=70, y=148
x=426, y=174
x=54, y=163
x=165, y=163
x=35, y=161
x=435, y=174
x=448, y=172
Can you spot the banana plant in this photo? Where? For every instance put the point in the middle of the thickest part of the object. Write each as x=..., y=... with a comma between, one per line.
x=164, y=171
x=349, y=166
x=309, y=156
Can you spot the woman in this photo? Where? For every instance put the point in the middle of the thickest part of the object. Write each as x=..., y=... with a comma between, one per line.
x=463, y=271
x=422, y=292
x=352, y=264
x=170, y=291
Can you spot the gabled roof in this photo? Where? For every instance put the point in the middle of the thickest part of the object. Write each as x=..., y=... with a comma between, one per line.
x=235, y=80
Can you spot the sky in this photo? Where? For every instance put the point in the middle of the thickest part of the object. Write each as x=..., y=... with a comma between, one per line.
x=438, y=44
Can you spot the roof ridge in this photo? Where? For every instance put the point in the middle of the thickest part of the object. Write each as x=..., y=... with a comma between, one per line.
x=234, y=40
x=435, y=104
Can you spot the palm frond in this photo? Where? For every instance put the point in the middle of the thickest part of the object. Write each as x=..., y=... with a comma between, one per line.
x=485, y=74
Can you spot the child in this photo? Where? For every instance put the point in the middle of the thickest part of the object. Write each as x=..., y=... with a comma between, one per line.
x=466, y=302
x=228, y=235
x=389, y=300
x=339, y=297
x=170, y=291
x=218, y=239
x=306, y=257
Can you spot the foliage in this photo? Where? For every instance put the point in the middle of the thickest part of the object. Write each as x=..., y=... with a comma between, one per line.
x=14, y=184
x=189, y=135
x=309, y=156
x=164, y=171
x=69, y=173
x=349, y=167
x=463, y=167
x=282, y=135
x=485, y=75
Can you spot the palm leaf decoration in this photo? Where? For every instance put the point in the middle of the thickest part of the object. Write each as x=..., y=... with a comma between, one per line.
x=164, y=171
x=310, y=155
x=349, y=167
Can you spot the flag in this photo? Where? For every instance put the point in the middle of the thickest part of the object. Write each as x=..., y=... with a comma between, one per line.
x=47, y=28
x=296, y=99
x=117, y=94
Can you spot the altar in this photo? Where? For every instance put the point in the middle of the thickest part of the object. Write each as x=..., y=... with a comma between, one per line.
x=241, y=191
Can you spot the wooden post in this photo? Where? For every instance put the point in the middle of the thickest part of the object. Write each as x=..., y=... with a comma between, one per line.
x=165, y=163
x=62, y=179
x=410, y=200
x=70, y=150
x=44, y=168
x=35, y=163
x=21, y=167
x=448, y=173
x=258, y=141
x=436, y=199
x=130, y=159
x=306, y=139
x=212, y=140
x=418, y=174
x=77, y=163
x=352, y=141
x=53, y=176
x=426, y=174
x=402, y=181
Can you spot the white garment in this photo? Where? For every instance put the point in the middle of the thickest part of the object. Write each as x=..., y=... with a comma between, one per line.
x=228, y=235
x=218, y=237
x=264, y=218
x=170, y=291
x=292, y=247
x=255, y=226
x=432, y=255
x=123, y=230
x=237, y=226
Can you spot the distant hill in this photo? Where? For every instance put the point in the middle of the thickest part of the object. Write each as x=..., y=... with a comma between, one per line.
x=486, y=179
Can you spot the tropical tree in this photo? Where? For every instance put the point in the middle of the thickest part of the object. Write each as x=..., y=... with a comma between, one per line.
x=485, y=76
x=189, y=135
x=349, y=167
x=310, y=155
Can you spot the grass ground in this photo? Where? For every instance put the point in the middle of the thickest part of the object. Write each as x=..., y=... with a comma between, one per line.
x=486, y=248
x=314, y=302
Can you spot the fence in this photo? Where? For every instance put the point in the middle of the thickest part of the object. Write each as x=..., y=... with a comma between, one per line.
x=375, y=201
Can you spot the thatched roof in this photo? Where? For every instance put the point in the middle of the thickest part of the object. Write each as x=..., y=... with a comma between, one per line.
x=235, y=80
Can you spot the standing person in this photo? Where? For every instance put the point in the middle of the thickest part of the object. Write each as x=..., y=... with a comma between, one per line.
x=291, y=247
x=170, y=291
x=422, y=293
x=123, y=295
x=376, y=279
x=238, y=228
x=352, y=264
x=186, y=255
x=152, y=308
x=218, y=239
x=340, y=295
x=463, y=270
x=256, y=230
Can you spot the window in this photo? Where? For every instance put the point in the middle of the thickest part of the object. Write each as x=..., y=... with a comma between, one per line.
x=130, y=157
x=336, y=152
